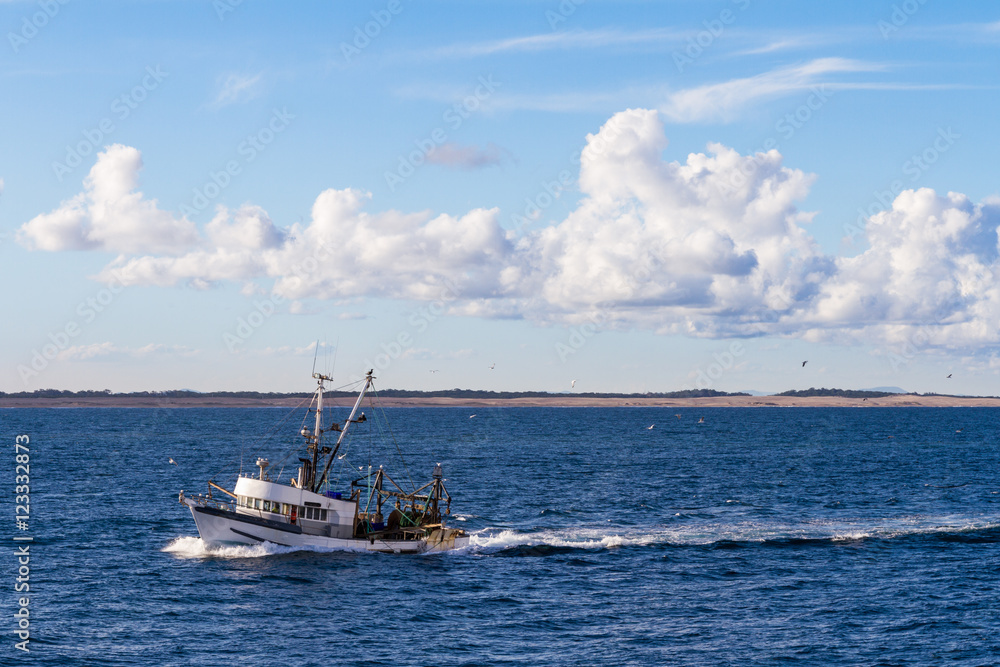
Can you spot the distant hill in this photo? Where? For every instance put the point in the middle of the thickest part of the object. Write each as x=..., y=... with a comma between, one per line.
x=844, y=393
x=477, y=394
x=387, y=393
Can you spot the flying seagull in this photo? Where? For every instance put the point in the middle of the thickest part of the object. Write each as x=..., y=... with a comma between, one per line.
x=949, y=375
x=701, y=421
x=434, y=371
x=572, y=384
x=650, y=427
x=172, y=461
x=471, y=416
x=493, y=365
x=804, y=363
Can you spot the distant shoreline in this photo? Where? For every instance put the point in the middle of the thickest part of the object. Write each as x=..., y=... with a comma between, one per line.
x=895, y=400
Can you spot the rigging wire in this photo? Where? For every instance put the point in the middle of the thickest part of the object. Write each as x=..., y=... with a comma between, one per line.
x=392, y=435
x=259, y=441
x=258, y=444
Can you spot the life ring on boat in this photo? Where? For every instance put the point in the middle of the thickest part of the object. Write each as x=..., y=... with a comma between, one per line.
x=294, y=515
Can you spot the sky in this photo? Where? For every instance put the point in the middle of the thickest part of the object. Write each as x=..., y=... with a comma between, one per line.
x=565, y=196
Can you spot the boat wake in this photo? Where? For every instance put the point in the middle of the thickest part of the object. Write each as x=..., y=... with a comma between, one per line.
x=545, y=541
x=195, y=547
x=540, y=541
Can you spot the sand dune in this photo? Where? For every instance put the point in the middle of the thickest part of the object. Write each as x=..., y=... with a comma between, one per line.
x=898, y=400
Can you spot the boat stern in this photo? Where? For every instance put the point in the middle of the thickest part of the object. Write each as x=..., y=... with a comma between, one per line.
x=447, y=539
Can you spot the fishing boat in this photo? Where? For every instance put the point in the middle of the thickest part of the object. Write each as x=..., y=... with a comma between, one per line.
x=304, y=510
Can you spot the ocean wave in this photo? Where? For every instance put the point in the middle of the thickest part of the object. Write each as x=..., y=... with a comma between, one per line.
x=818, y=533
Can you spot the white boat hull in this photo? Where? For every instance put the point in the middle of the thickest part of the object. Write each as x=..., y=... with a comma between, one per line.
x=216, y=527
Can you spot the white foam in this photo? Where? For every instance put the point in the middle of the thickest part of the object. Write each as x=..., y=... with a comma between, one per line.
x=611, y=537
x=744, y=532
x=578, y=538
x=195, y=547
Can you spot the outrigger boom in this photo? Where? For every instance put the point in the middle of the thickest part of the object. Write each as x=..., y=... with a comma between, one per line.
x=297, y=513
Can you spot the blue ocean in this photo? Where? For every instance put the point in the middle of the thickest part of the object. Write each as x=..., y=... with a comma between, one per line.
x=758, y=536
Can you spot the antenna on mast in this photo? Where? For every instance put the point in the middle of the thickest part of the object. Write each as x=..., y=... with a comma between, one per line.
x=315, y=354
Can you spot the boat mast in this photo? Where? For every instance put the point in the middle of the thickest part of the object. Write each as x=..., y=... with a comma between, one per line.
x=314, y=445
x=343, y=431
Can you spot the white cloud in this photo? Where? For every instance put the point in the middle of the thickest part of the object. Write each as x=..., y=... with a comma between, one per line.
x=249, y=228
x=723, y=101
x=110, y=350
x=308, y=350
x=237, y=88
x=714, y=245
x=570, y=39
x=702, y=247
x=110, y=214
x=932, y=263
x=343, y=252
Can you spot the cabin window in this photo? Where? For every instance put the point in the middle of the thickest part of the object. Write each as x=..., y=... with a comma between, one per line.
x=313, y=513
x=257, y=503
x=284, y=508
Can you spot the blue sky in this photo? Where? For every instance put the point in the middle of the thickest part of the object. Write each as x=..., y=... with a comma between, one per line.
x=639, y=196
